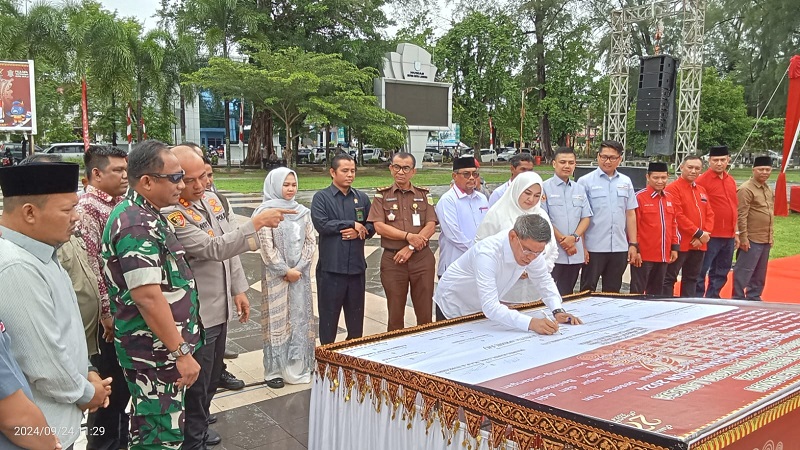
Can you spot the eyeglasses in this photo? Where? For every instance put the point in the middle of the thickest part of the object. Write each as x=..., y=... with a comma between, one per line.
x=527, y=252
x=173, y=178
x=399, y=168
x=611, y=158
x=468, y=175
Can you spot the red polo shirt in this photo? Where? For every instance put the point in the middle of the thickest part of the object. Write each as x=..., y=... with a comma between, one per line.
x=722, y=197
x=695, y=214
x=656, y=228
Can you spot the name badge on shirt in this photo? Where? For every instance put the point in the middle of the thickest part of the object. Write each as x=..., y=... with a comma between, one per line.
x=415, y=220
x=360, y=214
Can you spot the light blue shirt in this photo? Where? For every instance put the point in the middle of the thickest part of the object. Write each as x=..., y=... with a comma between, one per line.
x=459, y=216
x=610, y=198
x=38, y=303
x=566, y=203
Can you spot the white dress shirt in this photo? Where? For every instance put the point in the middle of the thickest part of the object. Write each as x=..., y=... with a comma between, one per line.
x=483, y=275
x=38, y=304
x=459, y=216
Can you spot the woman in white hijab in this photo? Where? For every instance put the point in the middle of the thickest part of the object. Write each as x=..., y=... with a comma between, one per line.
x=287, y=317
x=522, y=197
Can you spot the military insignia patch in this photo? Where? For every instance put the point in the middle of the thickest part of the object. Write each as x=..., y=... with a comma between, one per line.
x=177, y=219
x=430, y=199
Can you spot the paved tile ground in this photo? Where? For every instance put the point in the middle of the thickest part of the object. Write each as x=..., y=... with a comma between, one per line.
x=260, y=417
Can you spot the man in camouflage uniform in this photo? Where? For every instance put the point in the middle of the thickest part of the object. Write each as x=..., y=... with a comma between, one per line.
x=155, y=306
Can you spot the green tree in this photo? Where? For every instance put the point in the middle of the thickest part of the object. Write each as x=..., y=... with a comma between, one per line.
x=220, y=24
x=294, y=85
x=477, y=55
x=723, y=114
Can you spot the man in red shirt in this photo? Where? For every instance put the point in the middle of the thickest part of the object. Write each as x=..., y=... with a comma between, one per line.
x=721, y=190
x=695, y=219
x=657, y=233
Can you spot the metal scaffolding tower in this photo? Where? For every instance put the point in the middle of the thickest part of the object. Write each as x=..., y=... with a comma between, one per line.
x=690, y=69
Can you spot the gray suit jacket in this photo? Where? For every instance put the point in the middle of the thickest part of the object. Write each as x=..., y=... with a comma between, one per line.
x=212, y=246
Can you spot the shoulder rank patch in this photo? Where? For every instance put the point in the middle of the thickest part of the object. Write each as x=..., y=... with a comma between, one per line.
x=422, y=188
x=378, y=195
x=177, y=219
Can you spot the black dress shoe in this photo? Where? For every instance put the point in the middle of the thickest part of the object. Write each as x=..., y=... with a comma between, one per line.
x=212, y=437
x=275, y=383
x=230, y=382
x=230, y=354
x=212, y=418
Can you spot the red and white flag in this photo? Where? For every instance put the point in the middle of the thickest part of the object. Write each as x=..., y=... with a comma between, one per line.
x=241, y=121
x=491, y=134
x=128, y=120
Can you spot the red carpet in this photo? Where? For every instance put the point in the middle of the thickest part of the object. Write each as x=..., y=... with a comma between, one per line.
x=783, y=281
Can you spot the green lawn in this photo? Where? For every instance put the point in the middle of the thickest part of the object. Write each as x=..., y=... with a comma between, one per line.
x=787, y=229
x=314, y=178
x=787, y=236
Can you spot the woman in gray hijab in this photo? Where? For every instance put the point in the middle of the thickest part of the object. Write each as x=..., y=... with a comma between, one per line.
x=287, y=319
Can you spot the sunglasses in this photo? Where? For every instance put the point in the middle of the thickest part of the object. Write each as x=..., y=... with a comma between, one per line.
x=173, y=178
x=468, y=175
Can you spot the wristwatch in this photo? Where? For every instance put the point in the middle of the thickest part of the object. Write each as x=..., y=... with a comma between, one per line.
x=633, y=244
x=575, y=235
x=411, y=247
x=558, y=311
x=183, y=349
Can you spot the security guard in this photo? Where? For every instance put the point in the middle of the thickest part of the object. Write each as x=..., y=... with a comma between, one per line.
x=212, y=247
x=404, y=216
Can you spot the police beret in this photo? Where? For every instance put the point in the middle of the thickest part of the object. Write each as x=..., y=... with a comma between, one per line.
x=656, y=166
x=39, y=179
x=761, y=161
x=720, y=150
x=465, y=162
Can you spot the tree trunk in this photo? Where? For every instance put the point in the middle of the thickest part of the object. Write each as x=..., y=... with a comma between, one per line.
x=288, y=150
x=260, y=136
x=183, y=117
x=139, y=119
x=541, y=79
x=227, y=139
x=328, y=146
x=113, y=120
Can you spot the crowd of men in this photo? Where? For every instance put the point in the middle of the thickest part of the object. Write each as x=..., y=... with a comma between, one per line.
x=124, y=294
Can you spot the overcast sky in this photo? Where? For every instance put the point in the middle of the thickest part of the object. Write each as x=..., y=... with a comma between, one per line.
x=141, y=9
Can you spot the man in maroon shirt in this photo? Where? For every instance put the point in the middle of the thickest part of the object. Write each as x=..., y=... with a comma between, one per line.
x=721, y=190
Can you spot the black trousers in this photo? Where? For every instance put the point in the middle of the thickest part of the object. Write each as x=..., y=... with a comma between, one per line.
x=648, y=279
x=565, y=276
x=608, y=265
x=113, y=420
x=689, y=263
x=199, y=395
x=337, y=292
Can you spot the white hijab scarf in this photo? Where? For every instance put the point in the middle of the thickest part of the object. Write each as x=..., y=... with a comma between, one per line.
x=503, y=214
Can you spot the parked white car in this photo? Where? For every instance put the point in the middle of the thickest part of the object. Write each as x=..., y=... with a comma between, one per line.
x=69, y=150
x=487, y=155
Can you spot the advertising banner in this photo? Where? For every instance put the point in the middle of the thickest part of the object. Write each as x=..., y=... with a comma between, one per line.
x=17, y=97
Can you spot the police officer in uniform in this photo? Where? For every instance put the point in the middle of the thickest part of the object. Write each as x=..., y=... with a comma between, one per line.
x=404, y=216
x=212, y=246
